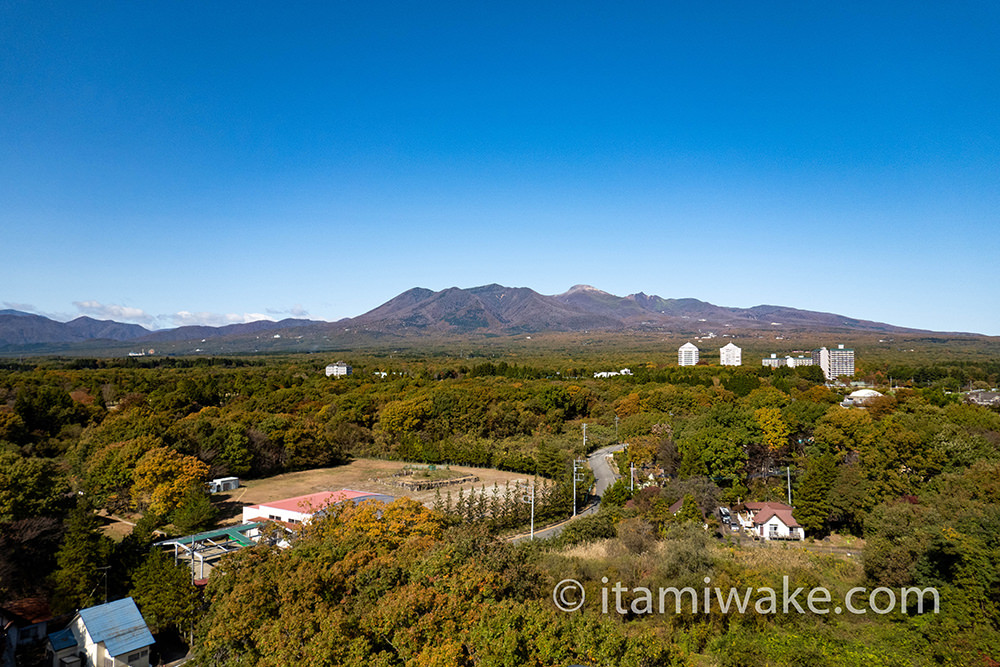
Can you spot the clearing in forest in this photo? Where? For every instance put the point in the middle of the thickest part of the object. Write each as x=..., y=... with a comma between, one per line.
x=371, y=475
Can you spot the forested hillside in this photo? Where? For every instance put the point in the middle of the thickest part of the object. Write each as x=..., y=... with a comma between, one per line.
x=911, y=479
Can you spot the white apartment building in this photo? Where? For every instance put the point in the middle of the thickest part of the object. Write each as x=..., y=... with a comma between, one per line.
x=687, y=355
x=339, y=370
x=730, y=355
x=774, y=361
x=795, y=362
x=834, y=362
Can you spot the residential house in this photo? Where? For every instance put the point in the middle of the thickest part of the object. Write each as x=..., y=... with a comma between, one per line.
x=108, y=635
x=22, y=623
x=769, y=520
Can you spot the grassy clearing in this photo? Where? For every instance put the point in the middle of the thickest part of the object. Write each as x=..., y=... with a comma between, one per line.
x=359, y=475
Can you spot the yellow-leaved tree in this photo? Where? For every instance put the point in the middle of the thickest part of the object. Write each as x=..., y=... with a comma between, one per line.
x=162, y=477
x=774, y=431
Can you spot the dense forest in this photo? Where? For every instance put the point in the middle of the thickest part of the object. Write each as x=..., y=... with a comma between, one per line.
x=911, y=478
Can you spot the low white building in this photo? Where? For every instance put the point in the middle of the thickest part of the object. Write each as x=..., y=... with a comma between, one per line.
x=608, y=374
x=110, y=635
x=861, y=398
x=302, y=508
x=339, y=370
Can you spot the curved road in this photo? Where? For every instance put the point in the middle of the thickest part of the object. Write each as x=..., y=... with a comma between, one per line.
x=604, y=475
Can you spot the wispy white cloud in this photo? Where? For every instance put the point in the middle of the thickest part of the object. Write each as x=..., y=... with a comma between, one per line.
x=295, y=311
x=23, y=307
x=186, y=318
x=113, y=311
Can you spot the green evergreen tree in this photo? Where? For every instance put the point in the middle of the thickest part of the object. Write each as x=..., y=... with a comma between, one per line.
x=812, y=502
x=617, y=494
x=164, y=593
x=194, y=513
x=689, y=510
x=438, y=501
x=79, y=580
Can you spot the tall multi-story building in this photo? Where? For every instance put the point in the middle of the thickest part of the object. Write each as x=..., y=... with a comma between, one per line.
x=730, y=355
x=687, y=355
x=834, y=362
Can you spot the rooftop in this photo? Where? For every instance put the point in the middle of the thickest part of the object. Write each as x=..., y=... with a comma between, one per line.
x=27, y=611
x=118, y=624
x=235, y=533
x=62, y=640
x=316, y=501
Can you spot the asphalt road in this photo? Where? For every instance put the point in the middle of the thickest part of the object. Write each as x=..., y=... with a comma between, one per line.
x=604, y=475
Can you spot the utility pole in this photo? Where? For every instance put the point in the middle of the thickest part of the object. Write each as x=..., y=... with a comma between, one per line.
x=616, y=430
x=584, y=437
x=577, y=477
x=105, y=569
x=631, y=476
x=528, y=496
x=788, y=471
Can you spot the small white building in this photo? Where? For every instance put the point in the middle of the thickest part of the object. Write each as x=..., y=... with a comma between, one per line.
x=687, y=355
x=730, y=355
x=221, y=484
x=608, y=374
x=861, y=398
x=110, y=635
x=339, y=370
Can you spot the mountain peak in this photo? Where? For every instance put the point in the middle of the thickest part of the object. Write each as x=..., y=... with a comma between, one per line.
x=575, y=289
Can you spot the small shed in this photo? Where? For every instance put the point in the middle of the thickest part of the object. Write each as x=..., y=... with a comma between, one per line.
x=223, y=484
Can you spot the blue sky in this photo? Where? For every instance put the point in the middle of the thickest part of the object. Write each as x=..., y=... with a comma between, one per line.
x=178, y=163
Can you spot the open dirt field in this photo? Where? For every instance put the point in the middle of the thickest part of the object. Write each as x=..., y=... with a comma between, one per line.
x=359, y=475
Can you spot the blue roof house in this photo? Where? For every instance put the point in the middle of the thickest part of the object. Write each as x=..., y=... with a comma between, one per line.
x=109, y=635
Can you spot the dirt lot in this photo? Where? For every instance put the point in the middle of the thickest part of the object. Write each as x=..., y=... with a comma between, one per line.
x=359, y=475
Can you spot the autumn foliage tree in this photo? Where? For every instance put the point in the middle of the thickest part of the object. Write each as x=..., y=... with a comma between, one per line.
x=162, y=478
x=384, y=585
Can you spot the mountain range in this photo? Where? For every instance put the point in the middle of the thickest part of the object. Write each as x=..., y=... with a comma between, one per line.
x=489, y=309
